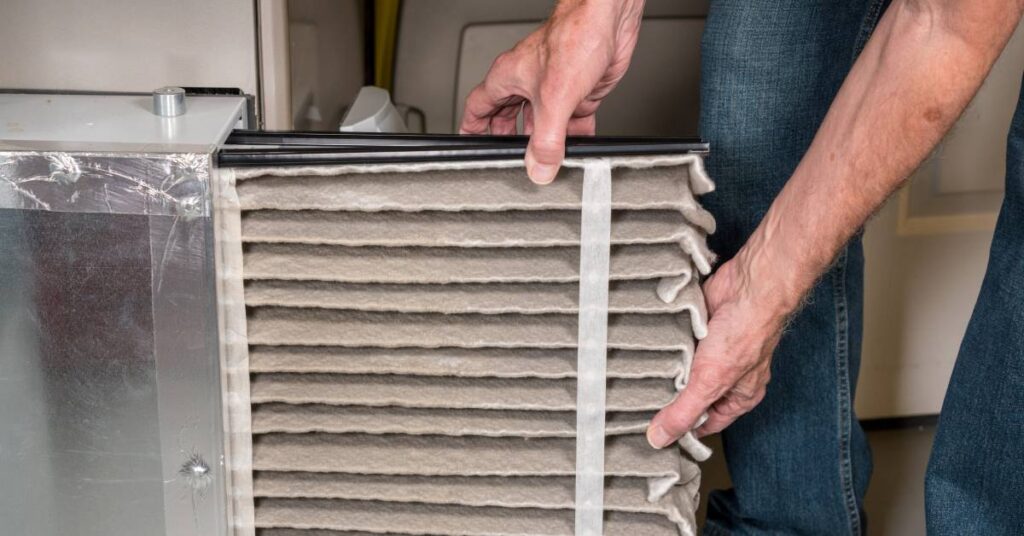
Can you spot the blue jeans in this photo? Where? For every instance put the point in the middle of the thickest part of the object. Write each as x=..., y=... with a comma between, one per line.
x=975, y=478
x=799, y=462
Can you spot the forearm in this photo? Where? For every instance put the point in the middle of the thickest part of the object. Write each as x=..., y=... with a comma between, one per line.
x=920, y=69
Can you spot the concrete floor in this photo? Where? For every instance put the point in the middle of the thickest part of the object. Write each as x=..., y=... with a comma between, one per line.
x=895, y=500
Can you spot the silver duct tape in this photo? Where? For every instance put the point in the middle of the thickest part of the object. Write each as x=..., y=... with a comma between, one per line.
x=170, y=184
x=595, y=257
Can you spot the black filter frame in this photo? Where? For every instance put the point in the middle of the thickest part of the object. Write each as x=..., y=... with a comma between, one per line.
x=267, y=148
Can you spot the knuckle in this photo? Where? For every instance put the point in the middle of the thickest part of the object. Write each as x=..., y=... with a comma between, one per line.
x=740, y=394
x=759, y=397
x=675, y=421
x=750, y=388
x=708, y=388
x=730, y=406
x=748, y=360
x=475, y=96
x=503, y=63
x=740, y=367
x=724, y=374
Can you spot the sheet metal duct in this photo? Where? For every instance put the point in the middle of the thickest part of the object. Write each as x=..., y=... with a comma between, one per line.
x=110, y=395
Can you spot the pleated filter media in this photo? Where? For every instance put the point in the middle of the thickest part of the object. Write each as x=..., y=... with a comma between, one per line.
x=411, y=335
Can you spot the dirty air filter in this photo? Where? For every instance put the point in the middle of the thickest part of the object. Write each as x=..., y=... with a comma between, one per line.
x=411, y=331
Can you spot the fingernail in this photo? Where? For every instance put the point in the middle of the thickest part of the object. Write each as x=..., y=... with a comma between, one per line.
x=658, y=437
x=542, y=173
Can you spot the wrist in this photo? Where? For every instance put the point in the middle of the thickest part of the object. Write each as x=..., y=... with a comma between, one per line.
x=776, y=277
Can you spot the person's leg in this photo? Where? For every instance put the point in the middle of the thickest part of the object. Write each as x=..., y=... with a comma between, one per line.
x=975, y=478
x=799, y=462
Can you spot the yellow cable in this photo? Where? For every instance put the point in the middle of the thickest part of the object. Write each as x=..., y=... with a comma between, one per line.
x=386, y=31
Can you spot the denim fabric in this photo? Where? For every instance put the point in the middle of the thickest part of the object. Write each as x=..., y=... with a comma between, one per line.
x=975, y=478
x=799, y=462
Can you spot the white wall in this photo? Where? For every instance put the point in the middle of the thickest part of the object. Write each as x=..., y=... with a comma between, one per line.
x=127, y=45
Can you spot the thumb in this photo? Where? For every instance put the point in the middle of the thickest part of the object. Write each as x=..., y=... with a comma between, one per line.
x=546, y=150
x=682, y=414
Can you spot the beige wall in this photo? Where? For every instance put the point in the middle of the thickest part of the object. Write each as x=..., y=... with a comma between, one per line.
x=326, y=57
x=127, y=45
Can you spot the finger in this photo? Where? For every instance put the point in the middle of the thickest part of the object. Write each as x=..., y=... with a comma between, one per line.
x=740, y=400
x=710, y=286
x=476, y=115
x=504, y=121
x=527, y=118
x=490, y=96
x=578, y=126
x=551, y=115
x=707, y=385
x=725, y=412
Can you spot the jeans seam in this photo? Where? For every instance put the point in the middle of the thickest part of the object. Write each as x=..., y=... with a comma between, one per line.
x=845, y=413
x=867, y=26
x=844, y=409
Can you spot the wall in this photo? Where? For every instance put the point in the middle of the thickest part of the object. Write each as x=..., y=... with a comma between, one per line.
x=445, y=46
x=326, y=56
x=127, y=45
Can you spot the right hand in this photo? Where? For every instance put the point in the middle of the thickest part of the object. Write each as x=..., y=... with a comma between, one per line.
x=732, y=365
x=557, y=76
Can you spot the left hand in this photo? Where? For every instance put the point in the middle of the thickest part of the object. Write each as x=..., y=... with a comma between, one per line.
x=557, y=76
x=731, y=366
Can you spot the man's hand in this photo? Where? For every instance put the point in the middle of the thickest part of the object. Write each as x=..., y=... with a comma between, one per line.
x=557, y=76
x=732, y=365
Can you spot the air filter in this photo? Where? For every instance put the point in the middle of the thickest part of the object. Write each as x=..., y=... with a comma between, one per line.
x=412, y=339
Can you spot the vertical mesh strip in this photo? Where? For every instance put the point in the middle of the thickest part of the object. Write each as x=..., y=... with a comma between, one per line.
x=592, y=350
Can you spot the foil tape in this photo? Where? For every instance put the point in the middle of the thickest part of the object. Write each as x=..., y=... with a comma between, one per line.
x=172, y=184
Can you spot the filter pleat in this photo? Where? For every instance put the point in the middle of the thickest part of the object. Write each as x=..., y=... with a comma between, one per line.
x=298, y=262
x=326, y=327
x=457, y=362
x=457, y=229
x=452, y=456
x=306, y=418
x=470, y=191
x=454, y=393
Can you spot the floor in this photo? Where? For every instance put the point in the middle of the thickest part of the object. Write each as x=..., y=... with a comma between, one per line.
x=895, y=501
